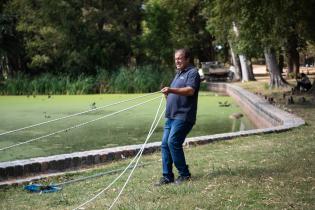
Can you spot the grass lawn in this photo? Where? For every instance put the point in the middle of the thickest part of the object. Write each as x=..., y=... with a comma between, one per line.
x=126, y=128
x=271, y=171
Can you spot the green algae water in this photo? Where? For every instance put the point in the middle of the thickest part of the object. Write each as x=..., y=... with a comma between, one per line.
x=130, y=127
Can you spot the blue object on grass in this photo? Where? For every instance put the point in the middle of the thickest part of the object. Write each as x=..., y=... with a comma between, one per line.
x=38, y=188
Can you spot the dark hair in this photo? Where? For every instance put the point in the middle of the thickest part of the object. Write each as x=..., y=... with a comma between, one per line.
x=185, y=51
x=303, y=75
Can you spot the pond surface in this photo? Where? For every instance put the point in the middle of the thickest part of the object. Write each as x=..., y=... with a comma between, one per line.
x=130, y=127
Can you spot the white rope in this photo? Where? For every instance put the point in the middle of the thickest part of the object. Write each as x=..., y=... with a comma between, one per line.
x=96, y=175
x=118, y=177
x=138, y=154
x=76, y=114
x=134, y=167
x=79, y=125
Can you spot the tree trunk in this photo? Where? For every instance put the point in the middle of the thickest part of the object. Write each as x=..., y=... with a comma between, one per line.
x=276, y=79
x=226, y=48
x=251, y=75
x=293, y=55
x=290, y=66
x=293, y=61
x=247, y=71
x=236, y=63
x=312, y=90
x=281, y=62
x=6, y=68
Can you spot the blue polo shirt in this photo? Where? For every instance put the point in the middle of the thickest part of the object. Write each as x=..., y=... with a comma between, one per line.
x=184, y=107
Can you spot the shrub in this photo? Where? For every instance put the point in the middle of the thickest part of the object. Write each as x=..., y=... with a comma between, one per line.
x=203, y=86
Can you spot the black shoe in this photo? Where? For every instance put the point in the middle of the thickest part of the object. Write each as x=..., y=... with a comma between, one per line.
x=164, y=181
x=182, y=179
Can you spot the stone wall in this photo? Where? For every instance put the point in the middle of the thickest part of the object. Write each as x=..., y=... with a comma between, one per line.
x=265, y=116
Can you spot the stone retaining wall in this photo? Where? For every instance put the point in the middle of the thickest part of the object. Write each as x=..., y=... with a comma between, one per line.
x=265, y=116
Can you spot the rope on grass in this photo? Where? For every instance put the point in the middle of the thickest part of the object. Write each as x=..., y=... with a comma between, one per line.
x=79, y=125
x=76, y=114
x=152, y=129
x=98, y=175
x=134, y=167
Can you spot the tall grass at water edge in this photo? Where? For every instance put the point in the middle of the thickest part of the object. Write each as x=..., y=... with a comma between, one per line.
x=46, y=84
x=140, y=79
x=125, y=80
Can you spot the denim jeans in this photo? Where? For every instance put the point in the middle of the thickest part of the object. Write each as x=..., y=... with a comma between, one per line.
x=175, y=132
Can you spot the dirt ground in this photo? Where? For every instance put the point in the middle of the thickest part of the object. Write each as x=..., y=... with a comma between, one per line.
x=260, y=71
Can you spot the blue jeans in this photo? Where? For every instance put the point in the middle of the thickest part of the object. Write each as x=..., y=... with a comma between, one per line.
x=175, y=132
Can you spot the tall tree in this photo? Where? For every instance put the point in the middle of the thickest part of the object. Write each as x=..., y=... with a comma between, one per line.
x=224, y=25
x=157, y=44
x=11, y=46
x=186, y=26
x=246, y=65
x=259, y=28
x=78, y=36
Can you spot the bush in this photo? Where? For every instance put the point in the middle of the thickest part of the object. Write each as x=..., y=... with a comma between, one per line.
x=203, y=86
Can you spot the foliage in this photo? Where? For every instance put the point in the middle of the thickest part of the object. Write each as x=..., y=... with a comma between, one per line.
x=203, y=86
x=75, y=38
x=12, y=50
x=47, y=84
x=81, y=37
x=264, y=26
x=261, y=23
x=139, y=79
x=156, y=33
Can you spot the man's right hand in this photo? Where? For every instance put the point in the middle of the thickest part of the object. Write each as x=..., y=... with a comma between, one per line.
x=165, y=91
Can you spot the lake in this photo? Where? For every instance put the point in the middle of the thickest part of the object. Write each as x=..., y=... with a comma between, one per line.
x=130, y=127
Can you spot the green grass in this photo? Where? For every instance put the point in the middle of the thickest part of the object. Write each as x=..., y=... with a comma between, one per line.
x=272, y=171
x=126, y=128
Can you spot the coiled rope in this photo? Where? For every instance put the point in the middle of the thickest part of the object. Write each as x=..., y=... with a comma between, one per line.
x=76, y=114
x=136, y=158
x=78, y=125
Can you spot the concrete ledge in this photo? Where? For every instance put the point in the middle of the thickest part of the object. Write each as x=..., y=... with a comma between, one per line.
x=267, y=117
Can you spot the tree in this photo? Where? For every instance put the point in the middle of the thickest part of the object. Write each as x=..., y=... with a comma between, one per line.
x=157, y=45
x=278, y=24
x=299, y=20
x=11, y=45
x=183, y=26
x=224, y=25
x=78, y=37
x=246, y=66
x=259, y=29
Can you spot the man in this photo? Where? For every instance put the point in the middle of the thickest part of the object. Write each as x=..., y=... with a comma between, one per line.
x=181, y=109
x=304, y=83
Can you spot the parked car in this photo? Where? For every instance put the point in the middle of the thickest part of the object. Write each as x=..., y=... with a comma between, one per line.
x=215, y=71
